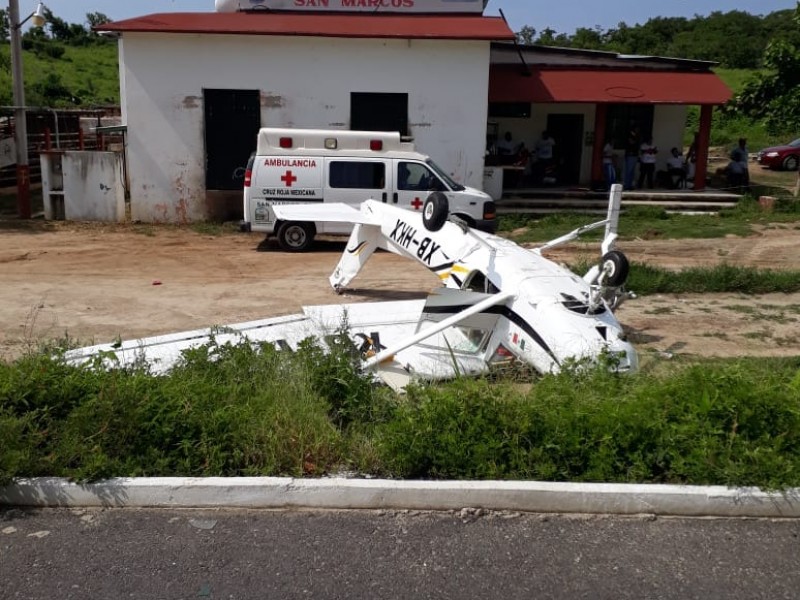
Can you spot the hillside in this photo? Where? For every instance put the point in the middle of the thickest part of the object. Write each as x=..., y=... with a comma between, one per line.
x=82, y=77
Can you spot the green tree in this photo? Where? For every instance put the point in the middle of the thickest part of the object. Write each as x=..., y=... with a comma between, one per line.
x=550, y=37
x=774, y=95
x=526, y=35
x=59, y=28
x=589, y=39
x=96, y=19
x=4, y=25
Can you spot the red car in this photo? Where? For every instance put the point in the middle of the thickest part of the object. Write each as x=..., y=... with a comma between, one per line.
x=781, y=157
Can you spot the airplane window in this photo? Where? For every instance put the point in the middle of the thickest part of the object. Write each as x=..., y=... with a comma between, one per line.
x=477, y=282
x=476, y=338
x=581, y=307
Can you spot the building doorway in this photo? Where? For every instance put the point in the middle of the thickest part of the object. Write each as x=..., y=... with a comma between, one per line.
x=379, y=112
x=567, y=131
x=232, y=121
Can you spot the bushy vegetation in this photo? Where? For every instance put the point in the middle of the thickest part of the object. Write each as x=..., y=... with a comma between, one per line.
x=225, y=410
x=734, y=39
x=239, y=410
x=736, y=424
x=66, y=65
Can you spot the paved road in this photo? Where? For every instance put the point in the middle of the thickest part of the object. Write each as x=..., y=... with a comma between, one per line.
x=168, y=554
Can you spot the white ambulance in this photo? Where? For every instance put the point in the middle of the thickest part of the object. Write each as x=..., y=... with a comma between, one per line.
x=316, y=165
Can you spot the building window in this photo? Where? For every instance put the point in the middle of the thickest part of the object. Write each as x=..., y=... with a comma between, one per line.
x=621, y=116
x=357, y=175
x=379, y=112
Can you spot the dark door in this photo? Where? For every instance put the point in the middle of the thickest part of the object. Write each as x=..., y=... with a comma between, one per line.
x=233, y=118
x=567, y=131
x=379, y=112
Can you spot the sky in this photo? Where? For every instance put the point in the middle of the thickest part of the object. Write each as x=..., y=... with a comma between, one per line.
x=562, y=15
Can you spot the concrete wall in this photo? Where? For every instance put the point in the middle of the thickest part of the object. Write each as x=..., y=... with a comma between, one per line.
x=304, y=82
x=93, y=187
x=669, y=122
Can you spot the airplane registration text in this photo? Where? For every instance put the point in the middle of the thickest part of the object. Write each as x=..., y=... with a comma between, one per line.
x=405, y=235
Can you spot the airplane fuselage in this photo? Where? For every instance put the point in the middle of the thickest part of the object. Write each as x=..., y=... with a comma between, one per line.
x=549, y=320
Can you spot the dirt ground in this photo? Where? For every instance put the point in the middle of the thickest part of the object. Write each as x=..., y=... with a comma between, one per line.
x=97, y=282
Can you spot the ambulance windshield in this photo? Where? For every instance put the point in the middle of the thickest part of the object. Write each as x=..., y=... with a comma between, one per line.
x=456, y=187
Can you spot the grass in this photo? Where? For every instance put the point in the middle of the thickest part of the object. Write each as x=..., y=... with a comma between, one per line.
x=653, y=222
x=646, y=279
x=237, y=410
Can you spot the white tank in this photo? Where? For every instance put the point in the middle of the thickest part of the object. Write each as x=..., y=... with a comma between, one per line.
x=226, y=5
x=236, y=5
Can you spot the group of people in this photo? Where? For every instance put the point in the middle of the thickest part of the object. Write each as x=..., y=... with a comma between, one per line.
x=641, y=153
x=537, y=162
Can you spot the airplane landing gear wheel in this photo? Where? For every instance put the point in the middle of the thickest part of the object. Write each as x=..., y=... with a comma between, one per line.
x=616, y=265
x=295, y=236
x=435, y=211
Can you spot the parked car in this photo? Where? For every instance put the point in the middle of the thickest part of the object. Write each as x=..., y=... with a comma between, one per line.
x=785, y=157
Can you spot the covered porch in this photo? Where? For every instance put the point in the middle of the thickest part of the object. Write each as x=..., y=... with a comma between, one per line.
x=584, y=99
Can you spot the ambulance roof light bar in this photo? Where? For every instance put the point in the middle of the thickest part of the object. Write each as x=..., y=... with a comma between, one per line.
x=376, y=145
x=286, y=142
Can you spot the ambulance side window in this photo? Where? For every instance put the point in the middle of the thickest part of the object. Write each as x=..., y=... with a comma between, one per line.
x=357, y=175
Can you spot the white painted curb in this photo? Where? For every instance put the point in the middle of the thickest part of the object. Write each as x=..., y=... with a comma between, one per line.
x=341, y=493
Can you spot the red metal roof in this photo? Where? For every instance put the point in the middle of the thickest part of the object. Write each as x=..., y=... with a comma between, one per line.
x=612, y=86
x=443, y=27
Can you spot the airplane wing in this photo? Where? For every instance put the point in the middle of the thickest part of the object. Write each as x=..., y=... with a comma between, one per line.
x=372, y=325
x=315, y=211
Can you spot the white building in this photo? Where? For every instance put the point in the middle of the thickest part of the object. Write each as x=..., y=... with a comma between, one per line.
x=196, y=87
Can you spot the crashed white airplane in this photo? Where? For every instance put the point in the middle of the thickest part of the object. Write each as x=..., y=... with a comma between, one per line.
x=500, y=302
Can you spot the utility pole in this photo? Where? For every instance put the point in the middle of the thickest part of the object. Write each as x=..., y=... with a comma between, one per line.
x=20, y=123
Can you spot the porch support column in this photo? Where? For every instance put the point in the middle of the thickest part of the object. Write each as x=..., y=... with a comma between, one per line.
x=703, y=138
x=600, y=114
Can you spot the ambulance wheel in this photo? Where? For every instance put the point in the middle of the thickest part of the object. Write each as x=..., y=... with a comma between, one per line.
x=295, y=236
x=616, y=264
x=435, y=211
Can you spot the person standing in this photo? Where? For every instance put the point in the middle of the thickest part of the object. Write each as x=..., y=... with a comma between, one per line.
x=691, y=157
x=740, y=155
x=647, y=162
x=632, y=144
x=544, y=155
x=676, y=169
x=544, y=147
x=506, y=147
x=609, y=172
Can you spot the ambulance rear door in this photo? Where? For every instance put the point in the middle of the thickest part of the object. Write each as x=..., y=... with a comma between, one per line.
x=283, y=180
x=352, y=180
